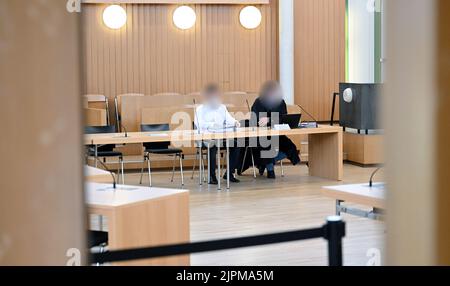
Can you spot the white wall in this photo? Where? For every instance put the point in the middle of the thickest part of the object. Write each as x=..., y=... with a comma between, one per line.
x=361, y=45
x=286, y=39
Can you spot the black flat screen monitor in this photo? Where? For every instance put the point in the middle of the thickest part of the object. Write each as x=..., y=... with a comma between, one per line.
x=359, y=106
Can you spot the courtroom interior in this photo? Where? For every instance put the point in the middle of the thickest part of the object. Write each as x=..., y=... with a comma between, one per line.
x=154, y=123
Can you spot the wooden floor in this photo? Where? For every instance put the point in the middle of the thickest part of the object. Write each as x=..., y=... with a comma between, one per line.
x=261, y=206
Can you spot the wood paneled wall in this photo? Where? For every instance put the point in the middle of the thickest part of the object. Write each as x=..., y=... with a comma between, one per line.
x=150, y=55
x=319, y=53
x=443, y=152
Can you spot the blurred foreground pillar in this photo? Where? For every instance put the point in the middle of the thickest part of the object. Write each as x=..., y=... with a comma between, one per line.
x=41, y=184
x=417, y=108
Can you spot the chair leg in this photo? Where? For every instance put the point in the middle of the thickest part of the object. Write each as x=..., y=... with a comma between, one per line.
x=118, y=172
x=209, y=164
x=205, y=177
x=108, y=120
x=149, y=166
x=123, y=170
x=195, y=165
x=223, y=160
x=243, y=161
x=142, y=170
x=96, y=156
x=282, y=168
x=200, y=168
x=173, y=169
x=181, y=170
x=253, y=163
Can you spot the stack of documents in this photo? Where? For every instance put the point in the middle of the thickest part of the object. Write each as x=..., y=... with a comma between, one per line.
x=308, y=125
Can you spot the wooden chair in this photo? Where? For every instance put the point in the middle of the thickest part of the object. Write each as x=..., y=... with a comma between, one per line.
x=118, y=106
x=160, y=148
x=101, y=100
x=105, y=151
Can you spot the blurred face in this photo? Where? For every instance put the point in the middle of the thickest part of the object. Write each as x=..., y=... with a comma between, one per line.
x=274, y=97
x=213, y=99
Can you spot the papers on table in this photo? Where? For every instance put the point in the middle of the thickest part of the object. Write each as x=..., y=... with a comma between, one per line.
x=281, y=127
x=159, y=135
x=305, y=125
x=222, y=130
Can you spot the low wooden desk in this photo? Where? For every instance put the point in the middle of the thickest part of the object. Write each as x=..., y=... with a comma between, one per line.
x=325, y=143
x=362, y=194
x=95, y=175
x=142, y=217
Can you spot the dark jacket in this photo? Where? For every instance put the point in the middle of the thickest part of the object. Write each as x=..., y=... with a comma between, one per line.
x=283, y=144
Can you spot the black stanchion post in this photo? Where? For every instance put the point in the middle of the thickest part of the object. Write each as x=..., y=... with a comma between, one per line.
x=334, y=232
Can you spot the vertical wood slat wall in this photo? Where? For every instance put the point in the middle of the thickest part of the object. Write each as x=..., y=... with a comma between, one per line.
x=443, y=134
x=150, y=55
x=319, y=53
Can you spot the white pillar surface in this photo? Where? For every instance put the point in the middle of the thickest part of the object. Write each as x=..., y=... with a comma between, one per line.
x=410, y=118
x=286, y=40
x=361, y=41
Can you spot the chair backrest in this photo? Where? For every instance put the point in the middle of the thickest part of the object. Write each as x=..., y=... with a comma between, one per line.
x=118, y=107
x=156, y=128
x=98, y=101
x=95, y=98
x=99, y=129
x=166, y=94
x=235, y=93
x=194, y=94
x=119, y=97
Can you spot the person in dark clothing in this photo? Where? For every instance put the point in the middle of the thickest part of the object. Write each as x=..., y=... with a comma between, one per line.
x=266, y=112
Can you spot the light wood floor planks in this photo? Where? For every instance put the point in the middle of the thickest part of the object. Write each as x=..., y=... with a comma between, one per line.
x=261, y=206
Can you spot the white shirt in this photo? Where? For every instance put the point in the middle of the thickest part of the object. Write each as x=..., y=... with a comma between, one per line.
x=208, y=118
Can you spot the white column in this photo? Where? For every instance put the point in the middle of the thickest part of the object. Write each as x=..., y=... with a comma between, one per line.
x=410, y=133
x=286, y=41
x=361, y=38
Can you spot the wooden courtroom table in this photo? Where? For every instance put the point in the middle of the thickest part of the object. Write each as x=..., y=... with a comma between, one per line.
x=361, y=194
x=325, y=144
x=95, y=175
x=140, y=217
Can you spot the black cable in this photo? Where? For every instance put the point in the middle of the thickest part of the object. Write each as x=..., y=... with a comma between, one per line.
x=107, y=169
x=373, y=175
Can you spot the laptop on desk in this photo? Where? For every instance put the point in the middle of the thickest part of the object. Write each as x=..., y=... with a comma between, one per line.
x=293, y=120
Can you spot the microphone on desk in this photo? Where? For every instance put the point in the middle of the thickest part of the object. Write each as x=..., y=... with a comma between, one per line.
x=373, y=175
x=108, y=170
x=309, y=114
x=126, y=132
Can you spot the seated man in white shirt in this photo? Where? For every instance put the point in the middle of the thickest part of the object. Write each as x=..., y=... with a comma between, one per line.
x=213, y=116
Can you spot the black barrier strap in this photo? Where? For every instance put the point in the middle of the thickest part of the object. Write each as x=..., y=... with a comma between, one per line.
x=197, y=247
x=332, y=231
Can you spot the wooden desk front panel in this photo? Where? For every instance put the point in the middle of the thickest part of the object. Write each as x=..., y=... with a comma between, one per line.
x=158, y=222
